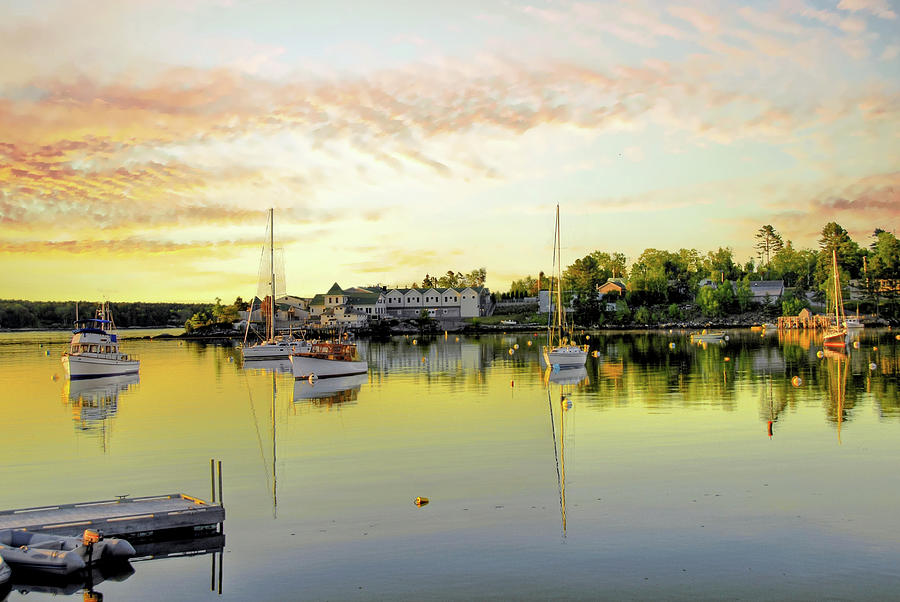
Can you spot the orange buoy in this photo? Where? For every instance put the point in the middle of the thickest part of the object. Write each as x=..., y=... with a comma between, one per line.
x=796, y=381
x=421, y=501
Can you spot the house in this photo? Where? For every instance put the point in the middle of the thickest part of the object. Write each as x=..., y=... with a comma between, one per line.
x=441, y=303
x=612, y=285
x=351, y=307
x=767, y=291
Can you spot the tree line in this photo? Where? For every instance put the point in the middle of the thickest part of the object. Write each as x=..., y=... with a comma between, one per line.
x=659, y=281
x=16, y=313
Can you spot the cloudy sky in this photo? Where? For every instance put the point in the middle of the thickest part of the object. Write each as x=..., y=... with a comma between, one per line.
x=141, y=141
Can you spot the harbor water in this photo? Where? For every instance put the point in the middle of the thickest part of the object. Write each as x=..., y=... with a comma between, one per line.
x=761, y=467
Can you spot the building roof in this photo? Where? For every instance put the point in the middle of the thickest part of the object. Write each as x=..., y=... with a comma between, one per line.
x=364, y=298
x=335, y=290
x=761, y=288
x=317, y=300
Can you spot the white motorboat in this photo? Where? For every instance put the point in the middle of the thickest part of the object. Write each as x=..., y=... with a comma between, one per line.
x=328, y=359
x=59, y=554
x=705, y=336
x=94, y=349
x=559, y=350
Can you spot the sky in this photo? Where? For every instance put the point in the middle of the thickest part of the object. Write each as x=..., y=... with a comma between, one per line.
x=142, y=141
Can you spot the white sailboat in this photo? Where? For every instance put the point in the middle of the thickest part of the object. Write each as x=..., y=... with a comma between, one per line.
x=273, y=346
x=559, y=351
x=836, y=334
x=94, y=349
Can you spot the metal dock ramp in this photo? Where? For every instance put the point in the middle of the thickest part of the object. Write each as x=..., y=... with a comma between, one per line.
x=138, y=517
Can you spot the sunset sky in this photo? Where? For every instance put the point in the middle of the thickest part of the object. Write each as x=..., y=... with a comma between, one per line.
x=142, y=141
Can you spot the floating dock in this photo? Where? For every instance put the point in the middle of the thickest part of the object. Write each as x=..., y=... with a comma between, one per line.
x=139, y=517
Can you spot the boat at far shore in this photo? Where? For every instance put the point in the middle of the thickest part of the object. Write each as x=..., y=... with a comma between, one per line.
x=94, y=349
x=705, y=336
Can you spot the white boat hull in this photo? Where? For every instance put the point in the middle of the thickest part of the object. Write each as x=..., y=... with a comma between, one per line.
x=96, y=366
x=567, y=355
x=271, y=351
x=303, y=367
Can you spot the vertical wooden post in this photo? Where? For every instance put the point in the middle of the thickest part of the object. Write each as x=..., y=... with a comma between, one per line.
x=212, y=480
x=220, y=481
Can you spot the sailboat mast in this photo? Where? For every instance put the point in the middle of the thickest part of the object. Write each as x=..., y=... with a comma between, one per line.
x=271, y=333
x=558, y=254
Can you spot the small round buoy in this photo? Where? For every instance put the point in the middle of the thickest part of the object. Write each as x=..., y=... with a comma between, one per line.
x=671, y=345
x=511, y=351
x=873, y=349
x=457, y=339
x=596, y=354
x=727, y=359
x=529, y=343
x=897, y=337
x=423, y=360
x=726, y=337
x=587, y=337
x=54, y=377
x=872, y=365
x=856, y=344
x=421, y=501
x=313, y=378
x=796, y=381
x=415, y=342
x=46, y=353
x=820, y=354
x=670, y=331
x=516, y=346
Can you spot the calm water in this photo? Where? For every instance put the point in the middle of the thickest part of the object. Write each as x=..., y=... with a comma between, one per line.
x=654, y=477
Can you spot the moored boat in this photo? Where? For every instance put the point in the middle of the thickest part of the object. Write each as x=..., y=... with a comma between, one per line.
x=272, y=346
x=835, y=336
x=59, y=554
x=94, y=349
x=328, y=359
x=559, y=350
x=705, y=336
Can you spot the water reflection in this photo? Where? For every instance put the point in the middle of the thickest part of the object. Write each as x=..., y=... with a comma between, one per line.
x=95, y=402
x=329, y=391
x=269, y=365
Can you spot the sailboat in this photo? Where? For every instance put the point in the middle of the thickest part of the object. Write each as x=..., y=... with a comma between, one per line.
x=559, y=351
x=836, y=333
x=272, y=346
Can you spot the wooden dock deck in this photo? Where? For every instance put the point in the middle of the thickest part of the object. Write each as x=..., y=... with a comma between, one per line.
x=137, y=517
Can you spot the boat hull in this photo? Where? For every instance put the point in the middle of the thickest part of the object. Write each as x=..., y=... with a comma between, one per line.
x=304, y=367
x=568, y=355
x=85, y=366
x=836, y=340
x=272, y=352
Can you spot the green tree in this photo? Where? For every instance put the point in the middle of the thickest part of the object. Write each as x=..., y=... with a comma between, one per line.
x=584, y=276
x=885, y=258
x=742, y=293
x=719, y=265
x=642, y=315
x=614, y=263
x=792, y=305
x=768, y=242
x=708, y=302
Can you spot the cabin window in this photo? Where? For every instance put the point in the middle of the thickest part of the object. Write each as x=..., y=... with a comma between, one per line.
x=74, y=348
x=93, y=348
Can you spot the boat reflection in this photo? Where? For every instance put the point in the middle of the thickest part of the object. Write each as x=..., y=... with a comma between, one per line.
x=270, y=365
x=28, y=582
x=95, y=401
x=566, y=375
x=327, y=391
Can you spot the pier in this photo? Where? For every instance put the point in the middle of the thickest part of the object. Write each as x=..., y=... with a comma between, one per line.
x=140, y=517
